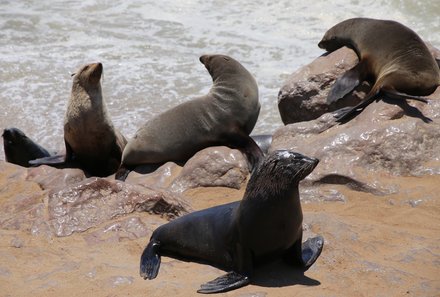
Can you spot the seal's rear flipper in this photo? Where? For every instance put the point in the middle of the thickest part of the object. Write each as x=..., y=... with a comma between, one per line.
x=122, y=173
x=393, y=94
x=310, y=251
x=247, y=146
x=253, y=153
x=150, y=260
x=51, y=160
x=346, y=83
x=230, y=281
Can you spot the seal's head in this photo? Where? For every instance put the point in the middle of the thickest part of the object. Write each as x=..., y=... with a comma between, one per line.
x=88, y=75
x=20, y=149
x=13, y=136
x=280, y=171
x=221, y=65
x=294, y=166
x=339, y=35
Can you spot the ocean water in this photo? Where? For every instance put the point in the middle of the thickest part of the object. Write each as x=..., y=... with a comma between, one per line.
x=150, y=52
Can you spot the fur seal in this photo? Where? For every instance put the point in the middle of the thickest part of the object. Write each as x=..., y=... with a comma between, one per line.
x=91, y=140
x=265, y=224
x=20, y=149
x=391, y=56
x=225, y=116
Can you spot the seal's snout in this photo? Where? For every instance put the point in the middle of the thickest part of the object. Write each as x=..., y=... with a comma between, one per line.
x=312, y=161
x=5, y=133
x=204, y=59
x=321, y=44
x=97, y=69
x=10, y=134
x=95, y=72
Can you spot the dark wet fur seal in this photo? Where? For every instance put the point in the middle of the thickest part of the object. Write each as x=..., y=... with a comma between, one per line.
x=391, y=56
x=20, y=149
x=225, y=116
x=92, y=142
x=266, y=224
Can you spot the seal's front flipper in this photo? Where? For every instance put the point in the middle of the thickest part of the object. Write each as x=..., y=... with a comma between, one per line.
x=345, y=116
x=150, y=260
x=230, y=281
x=438, y=62
x=346, y=83
x=51, y=160
x=310, y=251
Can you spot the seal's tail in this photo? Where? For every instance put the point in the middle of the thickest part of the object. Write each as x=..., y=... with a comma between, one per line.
x=150, y=260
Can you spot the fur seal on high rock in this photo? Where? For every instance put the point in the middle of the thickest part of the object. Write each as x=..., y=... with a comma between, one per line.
x=92, y=142
x=225, y=116
x=264, y=225
x=391, y=56
x=20, y=149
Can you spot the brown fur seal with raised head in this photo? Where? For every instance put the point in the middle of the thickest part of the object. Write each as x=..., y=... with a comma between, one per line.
x=91, y=140
x=391, y=56
x=20, y=149
x=225, y=116
x=266, y=224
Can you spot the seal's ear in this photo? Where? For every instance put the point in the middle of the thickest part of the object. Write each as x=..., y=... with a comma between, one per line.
x=226, y=58
x=73, y=74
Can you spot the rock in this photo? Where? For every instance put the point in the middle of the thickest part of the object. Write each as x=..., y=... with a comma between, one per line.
x=303, y=97
x=48, y=201
x=213, y=167
x=97, y=200
x=52, y=178
x=386, y=139
x=161, y=178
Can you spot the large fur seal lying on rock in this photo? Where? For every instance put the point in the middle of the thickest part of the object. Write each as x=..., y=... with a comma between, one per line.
x=266, y=223
x=225, y=116
x=20, y=149
x=391, y=56
x=92, y=142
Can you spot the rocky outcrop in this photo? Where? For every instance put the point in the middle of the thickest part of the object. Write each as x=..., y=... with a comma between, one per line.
x=388, y=138
x=60, y=202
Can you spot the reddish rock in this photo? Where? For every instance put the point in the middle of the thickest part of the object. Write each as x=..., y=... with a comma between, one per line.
x=49, y=201
x=52, y=178
x=213, y=167
x=161, y=178
x=383, y=140
x=97, y=200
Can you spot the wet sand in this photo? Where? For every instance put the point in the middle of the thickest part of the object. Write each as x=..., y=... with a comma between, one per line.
x=374, y=246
